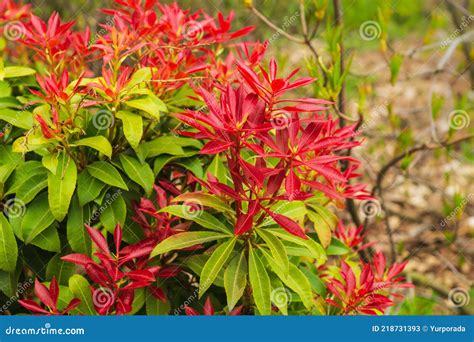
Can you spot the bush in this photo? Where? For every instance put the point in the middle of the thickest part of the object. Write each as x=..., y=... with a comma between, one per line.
x=162, y=162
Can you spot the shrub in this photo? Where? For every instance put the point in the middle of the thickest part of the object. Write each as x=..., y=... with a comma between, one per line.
x=161, y=161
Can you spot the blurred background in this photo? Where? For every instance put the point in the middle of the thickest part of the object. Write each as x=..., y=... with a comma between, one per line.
x=403, y=72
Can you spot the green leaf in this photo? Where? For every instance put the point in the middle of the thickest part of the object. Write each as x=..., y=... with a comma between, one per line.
x=9, y=160
x=50, y=162
x=235, y=279
x=155, y=307
x=218, y=169
x=395, y=64
x=60, y=269
x=31, y=188
x=138, y=300
x=194, y=165
x=132, y=127
x=107, y=173
x=295, y=280
x=214, y=265
x=277, y=249
x=280, y=295
x=166, y=145
x=24, y=172
x=88, y=187
x=204, y=199
x=17, y=118
x=81, y=289
x=295, y=210
x=337, y=248
x=38, y=217
x=138, y=172
x=98, y=143
x=260, y=282
x=312, y=246
x=48, y=239
x=321, y=227
x=61, y=186
x=17, y=71
x=9, y=284
x=150, y=104
x=77, y=235
x=8, y=246
x=201, y=217
x=184, y=240
x=115, y=212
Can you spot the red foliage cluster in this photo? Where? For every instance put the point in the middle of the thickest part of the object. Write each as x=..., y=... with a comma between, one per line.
x=304, y=150
x=118, y=274
x=49, y=298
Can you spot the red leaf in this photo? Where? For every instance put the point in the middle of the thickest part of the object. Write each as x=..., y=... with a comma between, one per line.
x=42, y=292
x=98, y=239
x=215, y=146
x=191, y=312
x=289, y=225
x=208, y=308
x=32, y=306
x=79, y=259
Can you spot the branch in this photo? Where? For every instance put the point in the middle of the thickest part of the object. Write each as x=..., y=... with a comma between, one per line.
x=276, y=28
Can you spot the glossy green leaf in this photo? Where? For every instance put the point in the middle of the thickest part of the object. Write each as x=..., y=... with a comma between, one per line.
x=138, y=172
x=260, y=282
x=235, y=279
x=204, y=199
x=17, y=71
x=277, y=249
x=98, y=143
x=312, y=246
x=17, y=118
x=60, y=269
x=30, y=188
x=132, y=127
x=8, y=246
x=214, y=265
x=38, y=217
x=107, y=173
x=48, y=239
x=77, y=235
x=115, y=211
x=202, y=218
x=88, y=187
x=61, y=186
x=185, y=239
x=81, y=289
